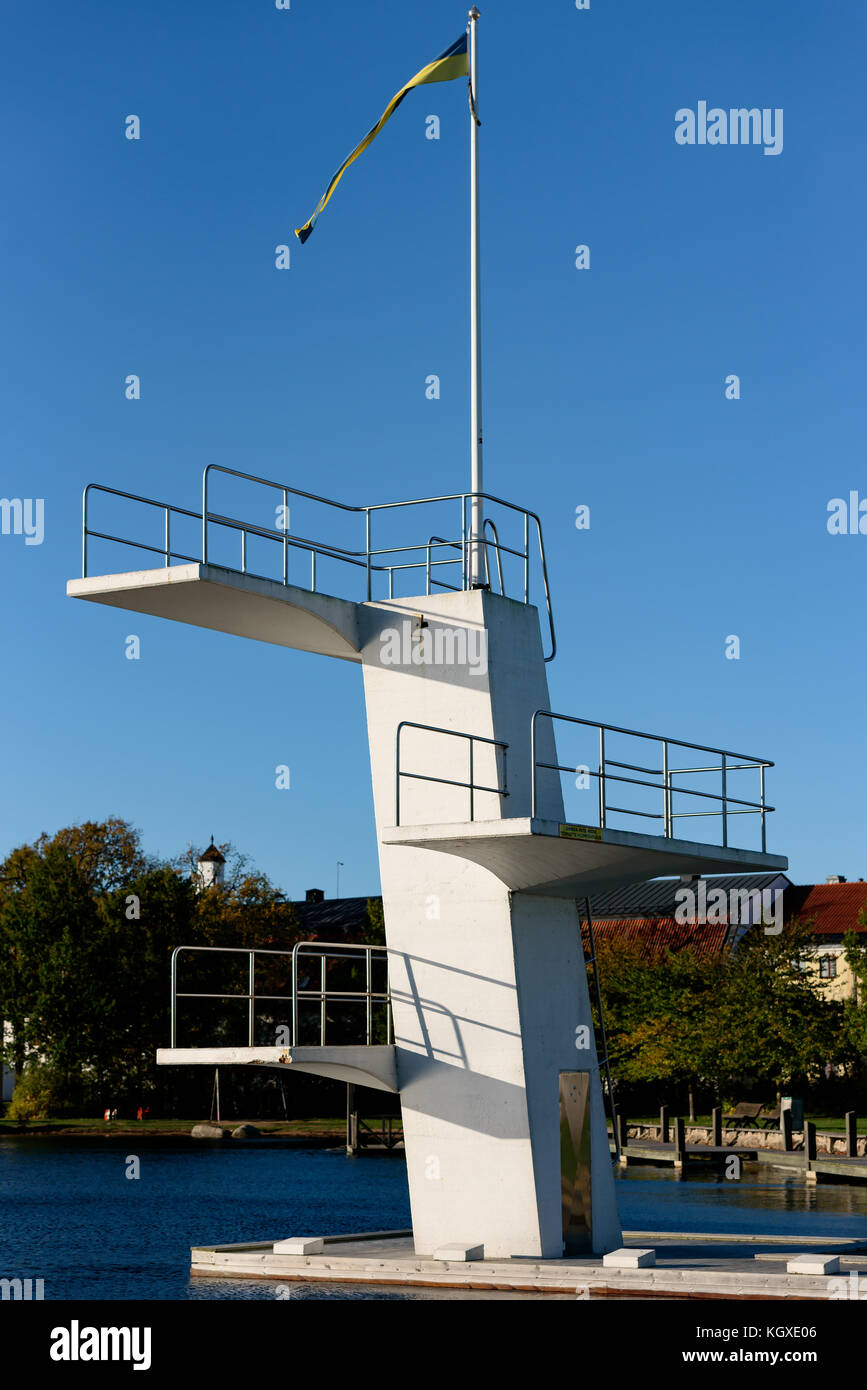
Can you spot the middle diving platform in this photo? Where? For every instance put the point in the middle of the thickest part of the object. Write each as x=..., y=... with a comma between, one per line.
x=560, y=860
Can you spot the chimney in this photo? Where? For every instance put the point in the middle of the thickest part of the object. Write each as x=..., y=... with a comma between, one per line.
x=315, y=895
x=835, y=878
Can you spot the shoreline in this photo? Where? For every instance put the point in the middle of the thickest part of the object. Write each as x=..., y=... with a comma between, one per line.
x=307, y=1136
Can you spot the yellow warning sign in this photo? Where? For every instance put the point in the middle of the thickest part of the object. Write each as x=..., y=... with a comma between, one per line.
x=580, y=832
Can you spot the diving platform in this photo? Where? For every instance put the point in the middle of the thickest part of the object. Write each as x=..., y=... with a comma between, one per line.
x=559, y=860
x=363, y=1065
x=245, y=605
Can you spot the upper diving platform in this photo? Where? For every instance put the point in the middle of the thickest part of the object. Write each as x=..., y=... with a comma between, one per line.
x=251, y=562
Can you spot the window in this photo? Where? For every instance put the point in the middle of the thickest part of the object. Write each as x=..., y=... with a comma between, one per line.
x=827, y=967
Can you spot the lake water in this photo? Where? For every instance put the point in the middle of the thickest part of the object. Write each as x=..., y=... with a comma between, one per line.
x=70, y=1216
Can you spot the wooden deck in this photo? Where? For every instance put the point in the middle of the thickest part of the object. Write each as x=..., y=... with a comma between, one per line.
x=824, y=1167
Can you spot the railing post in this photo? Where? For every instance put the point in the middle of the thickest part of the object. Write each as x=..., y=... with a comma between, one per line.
x=472, y=779
x=322, y=1000
x=533, y=768
x=663, y=1124
x=243, y=551
x=84, y=532
x=762, y=800
x=369, y=1001
x=724, y=804
x=173, y=1019
x=666, y=792
x=313, y=571
x=295, y=995
x=168, y=535
x=367, y=546
x=285, y=538
x=526, y=557
x=205, y=515
x=851, y=1134
x=251, y=1022
x=601, y=777
x=716, y=1127
x=397, y=775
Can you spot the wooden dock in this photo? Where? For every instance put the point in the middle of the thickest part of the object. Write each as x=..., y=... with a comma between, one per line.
x=821, y=1168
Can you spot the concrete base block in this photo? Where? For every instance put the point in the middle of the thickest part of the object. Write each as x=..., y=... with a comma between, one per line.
x=299, y=1245
x=459, y=1252
x=814, y=1264
x=629, y=1259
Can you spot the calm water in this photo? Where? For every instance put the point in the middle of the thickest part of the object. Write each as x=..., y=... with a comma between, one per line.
x=69, y=1215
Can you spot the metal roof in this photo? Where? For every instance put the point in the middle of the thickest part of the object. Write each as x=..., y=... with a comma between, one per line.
x=656, y=897
x=335, y=917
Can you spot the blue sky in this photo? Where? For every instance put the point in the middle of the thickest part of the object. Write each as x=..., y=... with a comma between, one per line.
x=602, y=387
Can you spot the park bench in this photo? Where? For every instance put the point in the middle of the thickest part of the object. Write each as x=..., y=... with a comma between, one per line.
x=770, y=1119
x=745, y=1114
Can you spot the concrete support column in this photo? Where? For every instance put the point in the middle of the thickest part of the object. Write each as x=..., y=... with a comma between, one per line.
x=489, y=988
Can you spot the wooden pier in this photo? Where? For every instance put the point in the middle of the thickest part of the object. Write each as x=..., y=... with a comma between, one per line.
x=672, y=1150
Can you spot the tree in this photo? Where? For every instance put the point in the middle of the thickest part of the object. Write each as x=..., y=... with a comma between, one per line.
x=773, y=1023
x=88, y=924
x=728, y=1021
x=855, y=946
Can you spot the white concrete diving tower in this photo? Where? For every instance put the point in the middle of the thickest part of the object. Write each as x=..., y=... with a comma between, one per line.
x=493, y=1051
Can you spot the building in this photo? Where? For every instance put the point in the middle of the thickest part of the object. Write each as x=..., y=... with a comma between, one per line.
x=711, y=915
x=831, y=909
x=7, y=1081
x=210, y=867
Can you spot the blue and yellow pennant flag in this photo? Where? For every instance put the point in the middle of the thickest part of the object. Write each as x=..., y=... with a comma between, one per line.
x=451, y=63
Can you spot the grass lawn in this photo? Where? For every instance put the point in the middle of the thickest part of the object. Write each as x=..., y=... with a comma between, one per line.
x=157, y=1126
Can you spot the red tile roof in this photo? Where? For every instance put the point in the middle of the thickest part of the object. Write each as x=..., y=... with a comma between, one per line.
x=655, y=934
x=835, y=906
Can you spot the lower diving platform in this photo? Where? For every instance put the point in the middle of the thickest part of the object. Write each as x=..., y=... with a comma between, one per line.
x=322, y=1009
x=363, y=1065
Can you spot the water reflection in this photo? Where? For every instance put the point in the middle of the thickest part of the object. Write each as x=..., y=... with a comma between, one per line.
x=764, y=1200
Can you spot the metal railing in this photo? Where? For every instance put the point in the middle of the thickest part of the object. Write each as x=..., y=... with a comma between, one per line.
x=727, y=805
x=472, y=786
x=325, y=951
x=386, y=560
x=168, y=510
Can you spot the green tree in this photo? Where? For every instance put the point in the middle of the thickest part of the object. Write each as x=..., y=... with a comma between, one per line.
x=88, y=924
x=855, y=944
x=748, y=1017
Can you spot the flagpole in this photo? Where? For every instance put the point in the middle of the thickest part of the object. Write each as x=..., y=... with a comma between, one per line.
x=477, y=567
